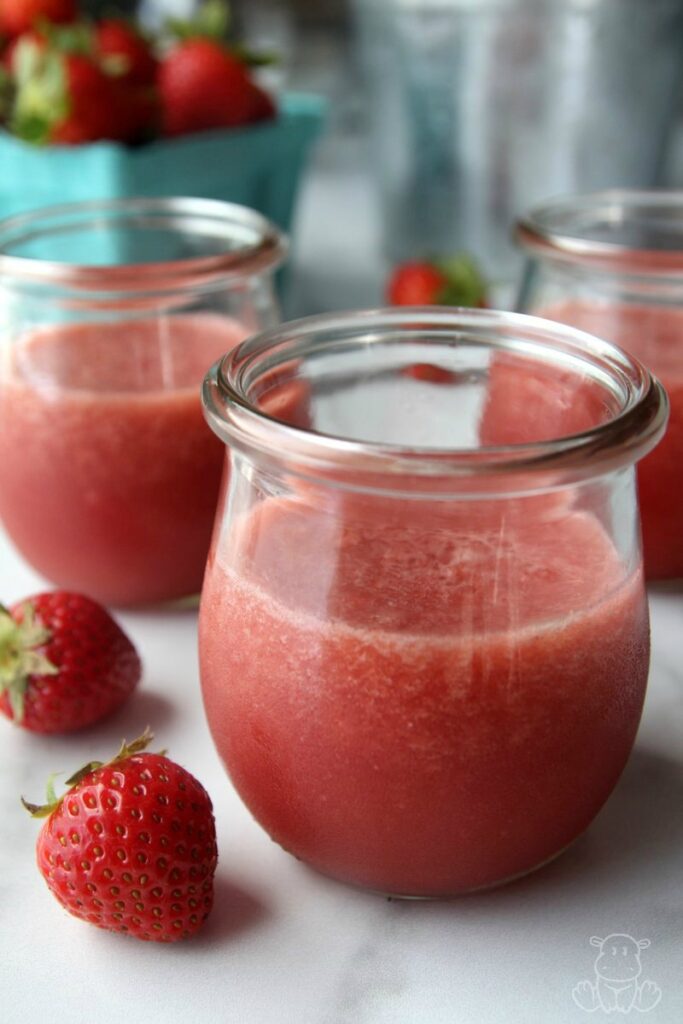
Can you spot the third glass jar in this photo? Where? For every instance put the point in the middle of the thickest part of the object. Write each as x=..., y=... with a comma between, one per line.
x=612, y=263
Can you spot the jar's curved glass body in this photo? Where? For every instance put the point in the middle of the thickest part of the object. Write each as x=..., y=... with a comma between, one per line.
x=612, y=264
x=423, y=629
x=110, y=315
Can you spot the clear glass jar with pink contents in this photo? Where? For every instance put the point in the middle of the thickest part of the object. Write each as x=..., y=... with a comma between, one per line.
x=110, y=315
x=423, y=629
x=612, y=263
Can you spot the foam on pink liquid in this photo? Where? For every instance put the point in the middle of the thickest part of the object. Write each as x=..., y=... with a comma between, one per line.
x=420, y=708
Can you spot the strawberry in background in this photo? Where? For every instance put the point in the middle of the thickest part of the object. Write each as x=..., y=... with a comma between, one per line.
x=81, y=83
x=205, y=82
x=455, y=281
x=449, y=282
x=68, y=80
x=128, y=55
x=17, y=16
x=64, y=96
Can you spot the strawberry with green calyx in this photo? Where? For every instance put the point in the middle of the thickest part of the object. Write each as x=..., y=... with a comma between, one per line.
x=22, y=57
x=64, y=96
x=64, y=663
x=204, y=79
x=213, y=21
x=455, y=281
x=131, y=846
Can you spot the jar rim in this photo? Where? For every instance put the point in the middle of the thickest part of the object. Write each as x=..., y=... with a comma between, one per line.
x=244, y=426
x=260, y=247
x=632, y=232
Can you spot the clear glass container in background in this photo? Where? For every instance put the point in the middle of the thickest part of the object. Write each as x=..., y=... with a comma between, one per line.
x=481, y=108
x=612, y=263
x=110, y=315
x=423, y=628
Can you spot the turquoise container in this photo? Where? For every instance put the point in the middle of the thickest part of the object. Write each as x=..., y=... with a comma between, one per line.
x=258, y=166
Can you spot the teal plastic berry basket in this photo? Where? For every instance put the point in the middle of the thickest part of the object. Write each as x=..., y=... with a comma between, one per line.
x=259, y=166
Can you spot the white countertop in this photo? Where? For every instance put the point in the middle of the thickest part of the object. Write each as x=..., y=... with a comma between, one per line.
x=286, y=946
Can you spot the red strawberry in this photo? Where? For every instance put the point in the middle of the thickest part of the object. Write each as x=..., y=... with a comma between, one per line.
x=131, y=846
x=93, y=109
x=17, y=16
x=415, y=284
x=202, y=87
x=67, y=98
x=64, y=663
x=450, y=282
x=125, y=52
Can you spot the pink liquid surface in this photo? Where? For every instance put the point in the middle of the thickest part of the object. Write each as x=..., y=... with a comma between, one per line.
x=654, y=335
x=411, y=706
x=109, y=475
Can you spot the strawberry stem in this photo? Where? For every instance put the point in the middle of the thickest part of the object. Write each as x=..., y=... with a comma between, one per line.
x=126, y=750
x=20, y=655
x=211, y=21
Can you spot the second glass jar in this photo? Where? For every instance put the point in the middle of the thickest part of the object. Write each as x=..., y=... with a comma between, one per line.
x=110, y=315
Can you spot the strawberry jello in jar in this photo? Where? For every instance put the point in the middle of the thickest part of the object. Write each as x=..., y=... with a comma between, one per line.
x=611, y=263
x=110, y=315
x=423, y=627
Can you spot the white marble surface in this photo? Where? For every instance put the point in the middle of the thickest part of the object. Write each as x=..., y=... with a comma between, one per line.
x=285, y=946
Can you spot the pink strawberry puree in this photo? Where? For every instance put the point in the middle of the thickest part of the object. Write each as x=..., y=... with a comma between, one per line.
x=108, y=473
x=410, y=705
x=654, y=334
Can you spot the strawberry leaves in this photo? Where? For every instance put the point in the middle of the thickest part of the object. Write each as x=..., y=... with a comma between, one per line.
x=464, y=284
x=42, y=91
x=125, y=751
x=20, y=655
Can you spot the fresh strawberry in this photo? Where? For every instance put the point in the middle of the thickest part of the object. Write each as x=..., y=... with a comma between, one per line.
x=131, y=846
x=89, y=104
x=17, y=16
x=415, y=284
x=123, y=51
x=67, y=98
x=202, y=87
x=64, y=663
x=450, y=282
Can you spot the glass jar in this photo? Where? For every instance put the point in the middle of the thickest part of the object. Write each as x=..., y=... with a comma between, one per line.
x=110, y=315
x=423, y=628
x=612, y=263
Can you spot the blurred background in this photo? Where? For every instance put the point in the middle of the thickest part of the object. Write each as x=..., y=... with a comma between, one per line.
x=446, y=118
